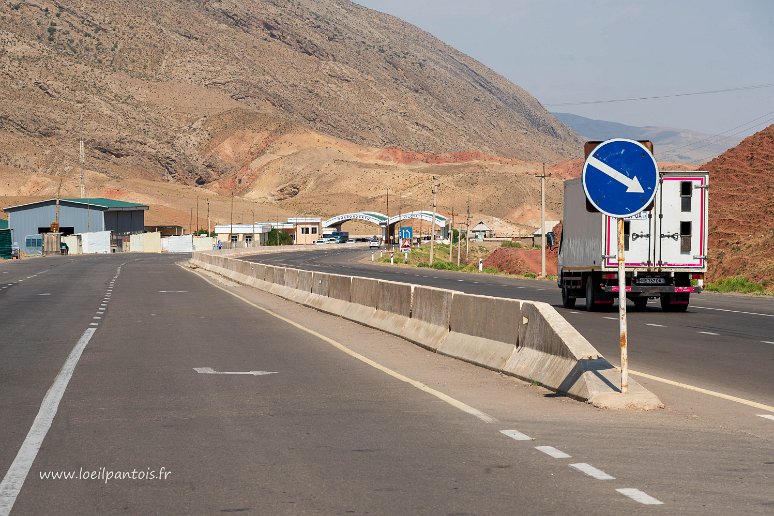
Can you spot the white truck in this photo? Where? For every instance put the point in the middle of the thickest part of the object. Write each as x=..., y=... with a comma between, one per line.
x=665, y=247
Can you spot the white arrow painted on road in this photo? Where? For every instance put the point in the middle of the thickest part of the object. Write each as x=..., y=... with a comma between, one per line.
x=632, y=184
x=209, y=370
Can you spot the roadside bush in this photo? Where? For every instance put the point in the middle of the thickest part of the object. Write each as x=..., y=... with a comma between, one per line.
x=736, y=284
x=509, y=243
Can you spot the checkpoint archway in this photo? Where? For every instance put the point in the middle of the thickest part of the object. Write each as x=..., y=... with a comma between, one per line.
x=388, y=225
x=372, y=217
x=440, y=221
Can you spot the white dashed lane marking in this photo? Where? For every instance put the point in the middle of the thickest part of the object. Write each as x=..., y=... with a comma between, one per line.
x=767, y=416
x=733, y=311
x=592, y=471
x=552, y=452
x=767, y=342
x=611, y=318
x=516, y=435
x=655, y=325
x=708, y=333
x=639, y=496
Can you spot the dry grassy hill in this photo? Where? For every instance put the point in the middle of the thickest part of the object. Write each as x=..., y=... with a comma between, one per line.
x=741, y=219
x=159, y=84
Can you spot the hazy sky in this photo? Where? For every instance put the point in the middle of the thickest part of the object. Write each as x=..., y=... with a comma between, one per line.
x=574, y=51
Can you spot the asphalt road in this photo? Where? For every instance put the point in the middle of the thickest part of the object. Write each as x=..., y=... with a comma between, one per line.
x=336, y=417
x=723, y=343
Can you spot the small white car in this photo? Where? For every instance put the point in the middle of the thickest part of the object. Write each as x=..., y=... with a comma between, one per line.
x=374, y=244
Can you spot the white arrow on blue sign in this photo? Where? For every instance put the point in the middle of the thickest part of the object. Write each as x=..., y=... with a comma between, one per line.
x=620, y=177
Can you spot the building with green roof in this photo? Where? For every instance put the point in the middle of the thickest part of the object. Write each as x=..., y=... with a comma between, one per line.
x=83, y=215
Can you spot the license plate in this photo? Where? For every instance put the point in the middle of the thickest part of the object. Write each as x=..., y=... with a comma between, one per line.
x=651, y=281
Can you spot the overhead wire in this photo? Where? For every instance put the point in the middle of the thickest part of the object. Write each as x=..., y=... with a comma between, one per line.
x=656, y=97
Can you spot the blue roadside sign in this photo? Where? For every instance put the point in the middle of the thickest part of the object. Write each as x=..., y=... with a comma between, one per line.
x=620, y=177
x=405, y=235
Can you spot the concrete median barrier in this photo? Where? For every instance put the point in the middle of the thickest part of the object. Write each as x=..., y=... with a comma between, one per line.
x=482, y=330
x=526, y=339
x=364, y=296
x=430, y=316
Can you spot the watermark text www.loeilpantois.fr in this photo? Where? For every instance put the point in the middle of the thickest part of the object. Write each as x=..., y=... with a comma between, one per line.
x=106, y=474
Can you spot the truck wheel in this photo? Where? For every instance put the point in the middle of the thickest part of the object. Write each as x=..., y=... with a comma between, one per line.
x=567, y=300
x=674, y=302
x=591, y=295
x=640, y=303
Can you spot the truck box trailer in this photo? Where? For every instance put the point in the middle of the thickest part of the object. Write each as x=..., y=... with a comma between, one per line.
x=665, y=247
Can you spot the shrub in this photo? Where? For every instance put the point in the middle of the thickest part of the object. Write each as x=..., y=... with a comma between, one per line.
x=736, y=284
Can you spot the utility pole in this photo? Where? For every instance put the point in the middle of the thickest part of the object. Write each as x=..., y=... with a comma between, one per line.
x=467, y=232
x=451, y=237
x=543, y=222
x=432, y=222
x=459, y=243
x=253, y=239
x=231, y=231
x=198, y=226
x=190, y=223
x=208, y=217
x=388, y=237
x=81, y=156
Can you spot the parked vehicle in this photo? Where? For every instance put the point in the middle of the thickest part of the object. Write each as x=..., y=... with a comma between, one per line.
x=665, y=248
x=374, y=244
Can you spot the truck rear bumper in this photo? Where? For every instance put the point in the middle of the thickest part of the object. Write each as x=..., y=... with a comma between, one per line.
x=653, y=290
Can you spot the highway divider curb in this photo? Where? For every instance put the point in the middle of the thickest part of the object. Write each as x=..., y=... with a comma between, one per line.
x=526, y=339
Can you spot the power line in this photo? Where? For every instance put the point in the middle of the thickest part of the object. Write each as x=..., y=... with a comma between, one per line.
x=721, y=134
x=656, y=97
x=764, y=123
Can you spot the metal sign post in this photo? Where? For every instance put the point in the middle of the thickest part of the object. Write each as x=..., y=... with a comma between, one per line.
x=620, y=178
x=622, y=309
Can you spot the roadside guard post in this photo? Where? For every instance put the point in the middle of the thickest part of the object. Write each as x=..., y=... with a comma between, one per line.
x=620, y=178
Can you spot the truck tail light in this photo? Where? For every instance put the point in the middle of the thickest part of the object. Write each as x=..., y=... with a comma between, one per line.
x=609, y=275
x=697, y=275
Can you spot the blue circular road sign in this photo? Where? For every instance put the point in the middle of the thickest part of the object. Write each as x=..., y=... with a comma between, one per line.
x=620, y=177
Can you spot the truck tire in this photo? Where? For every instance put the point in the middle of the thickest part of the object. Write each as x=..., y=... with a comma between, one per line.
x=674, y=302
x=640, y=303
x=591, y=295
x=567, y=300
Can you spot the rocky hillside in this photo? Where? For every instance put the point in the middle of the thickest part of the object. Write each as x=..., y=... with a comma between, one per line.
x=159, y=84
x=741, y=213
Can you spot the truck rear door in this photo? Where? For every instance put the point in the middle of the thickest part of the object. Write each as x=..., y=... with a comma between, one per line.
x=681, y=224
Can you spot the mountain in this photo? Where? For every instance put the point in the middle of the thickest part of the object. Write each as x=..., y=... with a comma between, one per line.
x=675, y=145
x=741, y=217
x=160, y=84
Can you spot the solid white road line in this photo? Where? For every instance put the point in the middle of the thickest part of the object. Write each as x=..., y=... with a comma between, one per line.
x=743, y=401
x=516, y=435
x=767, y=416
x=17, y=473
x=639, y=496
x=592, y=471
x=552, y=452
x=732, y=311
x=483, y=416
